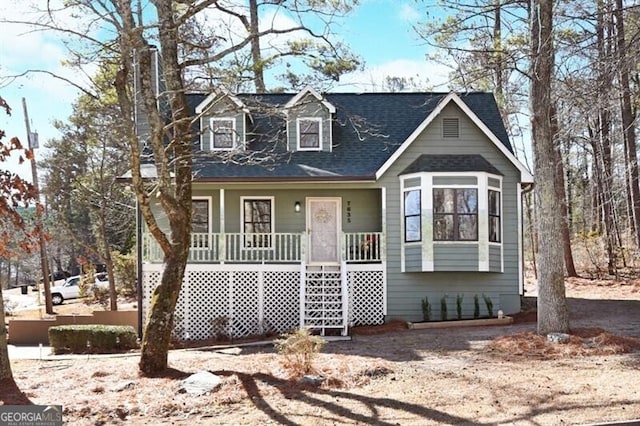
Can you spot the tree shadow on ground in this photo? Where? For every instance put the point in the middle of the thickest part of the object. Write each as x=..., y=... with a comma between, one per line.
x=10, y=394
x=621, y=317
x=341, y=406
x=311, y=396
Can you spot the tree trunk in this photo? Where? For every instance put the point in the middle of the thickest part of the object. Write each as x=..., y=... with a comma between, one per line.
x=563, y=201
x=256, y=56
x=106, y=254
x=5, y=364
x=160, y=323
x=628, y=122
x=553, y=315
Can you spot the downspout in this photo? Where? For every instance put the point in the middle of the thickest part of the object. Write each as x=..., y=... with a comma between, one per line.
x=525, y=189
x=139, y=266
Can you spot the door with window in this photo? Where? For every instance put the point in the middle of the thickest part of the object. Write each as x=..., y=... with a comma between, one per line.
x=323, y=226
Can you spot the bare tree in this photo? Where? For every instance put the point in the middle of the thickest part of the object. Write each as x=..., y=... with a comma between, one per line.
x=553, y=315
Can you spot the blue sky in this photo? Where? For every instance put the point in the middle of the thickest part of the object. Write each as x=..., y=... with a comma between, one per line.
x=380, y=31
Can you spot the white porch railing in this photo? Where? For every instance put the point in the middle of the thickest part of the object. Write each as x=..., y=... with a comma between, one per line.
x=266, y=248
x=363, y=246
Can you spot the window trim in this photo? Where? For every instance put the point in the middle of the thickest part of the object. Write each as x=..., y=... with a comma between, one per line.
x=299, y=121
x=405, y=191
x=245, y=240
x=234, y=142
x=498, y=215
x=209, y=201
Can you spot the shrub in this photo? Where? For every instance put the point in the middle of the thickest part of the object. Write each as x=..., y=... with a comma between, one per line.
x=89, y=338
x=299, y=348
x=489, y=303
x=459, y=298
x=124, y=269
x=9, y=307
x=443, y=308
x=426, y=309
x=476, y=307
x=220, y=328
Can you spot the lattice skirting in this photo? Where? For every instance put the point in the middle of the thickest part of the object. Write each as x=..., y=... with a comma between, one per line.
x=221, y=301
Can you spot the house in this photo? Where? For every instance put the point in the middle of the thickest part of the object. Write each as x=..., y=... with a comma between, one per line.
x=341, y=209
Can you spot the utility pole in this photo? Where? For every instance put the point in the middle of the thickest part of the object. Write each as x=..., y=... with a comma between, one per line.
x=44, y=264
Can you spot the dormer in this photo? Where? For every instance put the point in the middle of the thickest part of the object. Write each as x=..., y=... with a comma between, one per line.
x=309, y=118
x=223, y=119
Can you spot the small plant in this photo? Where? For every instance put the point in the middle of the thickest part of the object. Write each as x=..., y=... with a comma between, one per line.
x=426, y=309
x=298, y=349
x=220, y=328
x=476, y=307
x=443, y=308
x=489, y=303
x=459, y=298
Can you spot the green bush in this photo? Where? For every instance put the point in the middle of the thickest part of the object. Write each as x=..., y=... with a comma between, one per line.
x=459, y=298
x=476, y=307
x=443, y=308
x=489, y=303
x=90, y=338
x=426, y=309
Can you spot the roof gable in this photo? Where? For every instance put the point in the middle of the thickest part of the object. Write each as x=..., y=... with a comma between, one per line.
x=503, y=145
x=216, y=96
x=309, y=91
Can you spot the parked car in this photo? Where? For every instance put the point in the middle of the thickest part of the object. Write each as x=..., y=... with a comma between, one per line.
x=71, y=288
x=57, y=278
x=101, y=280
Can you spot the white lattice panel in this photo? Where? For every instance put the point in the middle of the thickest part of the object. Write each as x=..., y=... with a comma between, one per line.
x=366, y=297
x=245, y=311
x=208, y=304
x=256, y=300
x=281, y=301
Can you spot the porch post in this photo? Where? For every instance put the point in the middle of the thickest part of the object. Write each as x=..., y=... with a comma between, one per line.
x=222, y=254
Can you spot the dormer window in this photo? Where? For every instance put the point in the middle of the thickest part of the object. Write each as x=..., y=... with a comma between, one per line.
x=222, y=133
x=309, y=134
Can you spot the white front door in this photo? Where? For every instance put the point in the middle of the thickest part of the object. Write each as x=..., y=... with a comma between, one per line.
x=323, y=226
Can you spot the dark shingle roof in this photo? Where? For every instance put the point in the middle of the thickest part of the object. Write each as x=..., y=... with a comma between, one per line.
x=451, y=163
x=367, y=129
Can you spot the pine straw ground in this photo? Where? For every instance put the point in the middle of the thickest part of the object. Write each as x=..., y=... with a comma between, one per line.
x=384, y=376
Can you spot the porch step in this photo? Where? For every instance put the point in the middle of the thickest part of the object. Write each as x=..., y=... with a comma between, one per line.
x=323, y=304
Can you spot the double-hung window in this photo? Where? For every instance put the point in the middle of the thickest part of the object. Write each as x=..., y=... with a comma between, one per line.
x=455, y=214
x=222, y=133
x=200, y=222
x=494, y=216
x=412, y=221
x=309, y=134
x=257, y=217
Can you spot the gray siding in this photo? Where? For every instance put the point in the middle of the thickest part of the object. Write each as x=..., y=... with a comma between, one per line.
x=455, y=257
x=405, y=290
x=495, y=265
x=413, y=258
x=361, y=208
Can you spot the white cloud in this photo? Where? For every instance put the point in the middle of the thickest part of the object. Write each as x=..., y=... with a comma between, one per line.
x=428, y=75
x=408, y=13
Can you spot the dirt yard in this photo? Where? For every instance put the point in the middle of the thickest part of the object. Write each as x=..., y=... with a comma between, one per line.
x=493, y=375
